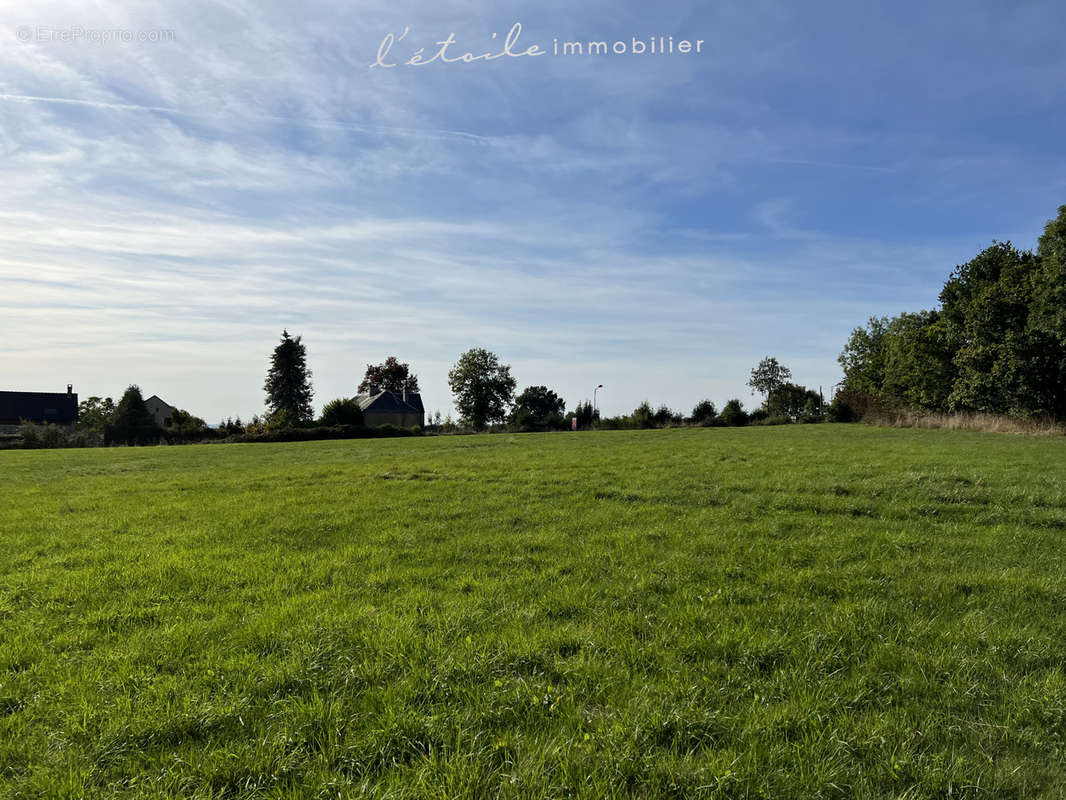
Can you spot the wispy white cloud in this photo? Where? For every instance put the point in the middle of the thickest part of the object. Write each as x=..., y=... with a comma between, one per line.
x=201, y=292
x=303, y=121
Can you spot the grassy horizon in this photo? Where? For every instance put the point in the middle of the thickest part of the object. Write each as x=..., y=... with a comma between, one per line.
x=797, y=611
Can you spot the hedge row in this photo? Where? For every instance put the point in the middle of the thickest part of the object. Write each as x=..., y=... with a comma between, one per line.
x=331, y=432
x=39, y=437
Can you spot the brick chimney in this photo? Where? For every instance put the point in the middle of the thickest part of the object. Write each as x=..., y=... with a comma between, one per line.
x=70, y=388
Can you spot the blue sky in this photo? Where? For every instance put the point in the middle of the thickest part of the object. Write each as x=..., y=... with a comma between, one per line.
x=653, y=223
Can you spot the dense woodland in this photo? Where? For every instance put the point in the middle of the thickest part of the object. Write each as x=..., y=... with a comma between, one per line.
x=996, y=344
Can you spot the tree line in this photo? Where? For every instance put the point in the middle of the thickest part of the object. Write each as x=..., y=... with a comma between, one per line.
x=102, y=422
x=483, y=391
x=996, y=344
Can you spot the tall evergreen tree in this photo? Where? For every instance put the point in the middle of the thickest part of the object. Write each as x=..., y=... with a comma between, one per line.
x=288, y=384
x=132, y=423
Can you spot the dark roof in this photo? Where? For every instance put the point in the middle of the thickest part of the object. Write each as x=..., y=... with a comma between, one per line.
x=390, y=401
x=38, y=407
x=161, y=401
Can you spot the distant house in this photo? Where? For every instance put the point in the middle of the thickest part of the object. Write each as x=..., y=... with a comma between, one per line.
x=161, y=410
x=382, y=407
x=55, y=408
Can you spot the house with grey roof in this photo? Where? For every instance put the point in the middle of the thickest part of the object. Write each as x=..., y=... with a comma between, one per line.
x=55, y=408
x=161, y=410
x=382, y=407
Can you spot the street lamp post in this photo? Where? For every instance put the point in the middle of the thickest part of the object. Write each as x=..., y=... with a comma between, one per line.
x=595, y=407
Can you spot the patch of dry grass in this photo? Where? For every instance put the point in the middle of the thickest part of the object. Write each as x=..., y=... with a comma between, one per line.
x=966, y=421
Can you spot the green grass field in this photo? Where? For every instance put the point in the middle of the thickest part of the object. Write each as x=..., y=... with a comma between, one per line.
x=791, y=612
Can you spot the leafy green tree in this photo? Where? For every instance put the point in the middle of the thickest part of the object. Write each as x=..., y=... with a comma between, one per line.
x=846, y=406
x=95, y=413
x=733, y=414
x=976, y=352
x=814, y=408
x=1048, y=317
x=482, y=387
x=392, y=376
x=863, y=358
x=902, y=361
x=792, y=400
x=288, y=384
x=342, y=411
x=182, y=421
x=997, y=343
x=664, y=416
x=768, y=375
x=132, y=423
x=704, y=413
x=787, y=399
x=986, y=303
x=585, y=414
x=970, y=283
x=231, y=426
x=643, y=416
x=1052, y=243
x=538, y=408
x=918, y=361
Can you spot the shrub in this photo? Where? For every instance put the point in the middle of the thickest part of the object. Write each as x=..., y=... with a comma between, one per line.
x=642, y=416
x=194, y=435
x=342, y=411
x=282, y=421
x=85, y=438
x=324, y=432
x=32, y=436
x=850, y=405
x=585, y=415
x=704, y=413
x=38, y=437
x=665, y=417
x=733, y=414
x=757, y=418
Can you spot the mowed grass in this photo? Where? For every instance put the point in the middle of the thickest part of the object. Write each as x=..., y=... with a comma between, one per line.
x=792, y=612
